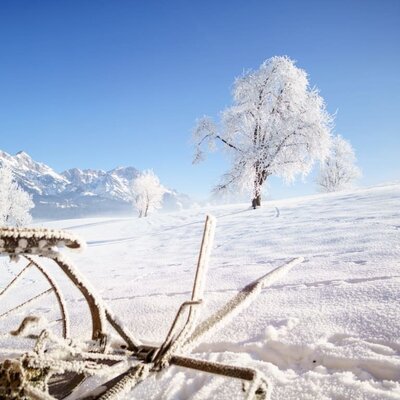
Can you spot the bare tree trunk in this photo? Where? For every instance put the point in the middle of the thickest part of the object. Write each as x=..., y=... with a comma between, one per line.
x=256, y=201
x=261, y=177
x=147, y=204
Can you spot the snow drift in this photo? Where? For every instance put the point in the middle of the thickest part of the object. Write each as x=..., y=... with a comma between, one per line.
x=328, y=330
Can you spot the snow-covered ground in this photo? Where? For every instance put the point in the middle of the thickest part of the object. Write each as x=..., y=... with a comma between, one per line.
x=327, y=330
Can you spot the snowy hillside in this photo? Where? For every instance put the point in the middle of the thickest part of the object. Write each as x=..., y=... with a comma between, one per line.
x=327, y=330
x=76, y=192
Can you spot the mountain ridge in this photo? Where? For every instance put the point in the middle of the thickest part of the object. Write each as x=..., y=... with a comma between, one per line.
x=80, y=192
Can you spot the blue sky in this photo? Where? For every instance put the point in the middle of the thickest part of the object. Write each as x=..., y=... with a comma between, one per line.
x=97, y=84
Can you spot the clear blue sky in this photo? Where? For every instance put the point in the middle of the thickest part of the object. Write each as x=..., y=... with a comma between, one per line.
x=96, y=84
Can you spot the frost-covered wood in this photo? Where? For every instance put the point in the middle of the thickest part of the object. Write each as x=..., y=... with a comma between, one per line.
x=339, y=169
x=277, y=125
x=57, y=293
x=15, y=203
x=73, y=360
x=38, y=241
x=148, y=193
x=17, y=242
x=237, y=304
x=174, y=342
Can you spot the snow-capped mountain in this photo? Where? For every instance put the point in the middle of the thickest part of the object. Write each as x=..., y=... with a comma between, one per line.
x=77, y=192
x=35, y=177
x=114, y=184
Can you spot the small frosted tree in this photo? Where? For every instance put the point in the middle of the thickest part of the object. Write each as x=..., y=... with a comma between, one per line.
x=15, y=203
x=339, y=169
x=148, y=193
x=277, y=125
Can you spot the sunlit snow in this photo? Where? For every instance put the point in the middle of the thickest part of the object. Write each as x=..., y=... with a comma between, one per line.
x=329, y=329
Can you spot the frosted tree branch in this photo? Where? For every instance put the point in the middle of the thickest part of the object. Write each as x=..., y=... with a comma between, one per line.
x=277, y=125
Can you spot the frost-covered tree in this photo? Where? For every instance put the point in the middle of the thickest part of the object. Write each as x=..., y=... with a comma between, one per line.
x=15, y=203
x=147, y=192
x=339, y=169
x=277, y=125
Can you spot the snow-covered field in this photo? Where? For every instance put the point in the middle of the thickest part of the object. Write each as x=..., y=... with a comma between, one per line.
x=327, y=330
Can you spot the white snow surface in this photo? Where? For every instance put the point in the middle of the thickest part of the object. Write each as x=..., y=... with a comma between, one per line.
x=329, y=329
